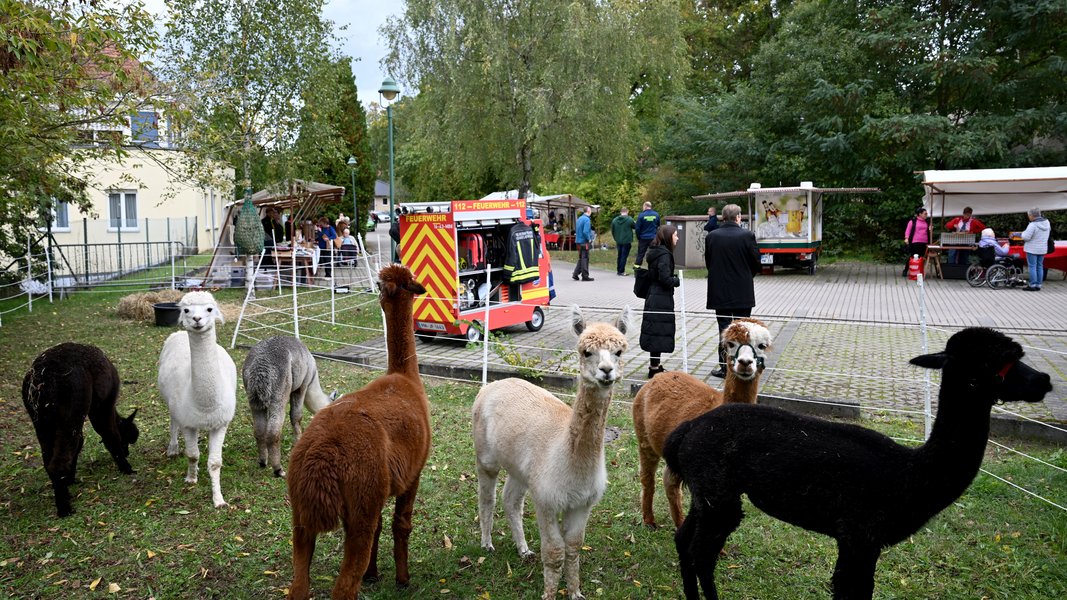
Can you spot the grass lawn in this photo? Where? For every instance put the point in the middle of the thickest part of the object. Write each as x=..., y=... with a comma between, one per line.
x=153, y=535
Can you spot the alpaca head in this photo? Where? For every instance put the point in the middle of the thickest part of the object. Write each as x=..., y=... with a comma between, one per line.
x=199, y=312
x=128, y=431
x=990, y=362
x=746, y=342
x=600, y=347
x=397, y=282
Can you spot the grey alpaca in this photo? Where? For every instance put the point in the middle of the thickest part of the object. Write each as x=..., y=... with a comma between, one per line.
x=279, y=369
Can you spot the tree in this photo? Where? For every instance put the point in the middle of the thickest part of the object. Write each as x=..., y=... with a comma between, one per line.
x=521, y=88
x=241, y=70
x=64, y=69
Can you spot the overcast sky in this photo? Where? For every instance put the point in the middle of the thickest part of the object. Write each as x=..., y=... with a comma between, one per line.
x=360, y=41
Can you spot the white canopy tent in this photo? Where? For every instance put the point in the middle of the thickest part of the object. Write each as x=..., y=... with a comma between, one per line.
x=994, y=191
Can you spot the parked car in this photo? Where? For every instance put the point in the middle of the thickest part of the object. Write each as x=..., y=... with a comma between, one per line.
x=381, y=216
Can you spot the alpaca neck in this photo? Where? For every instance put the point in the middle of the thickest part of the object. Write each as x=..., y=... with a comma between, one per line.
x=950, y=459
x=585, y=432
x=204, y=367
x=735, y=389
x=400, y=340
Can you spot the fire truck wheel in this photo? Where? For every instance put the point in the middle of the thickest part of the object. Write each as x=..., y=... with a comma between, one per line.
x=474, y=334
x=537, y=320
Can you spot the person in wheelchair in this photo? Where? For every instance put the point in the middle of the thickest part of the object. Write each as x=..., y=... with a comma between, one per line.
x=989, y=252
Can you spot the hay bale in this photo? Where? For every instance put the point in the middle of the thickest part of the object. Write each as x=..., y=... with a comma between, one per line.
x=138, y=307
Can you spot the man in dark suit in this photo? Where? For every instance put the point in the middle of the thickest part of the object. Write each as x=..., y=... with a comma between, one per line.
x=732, y=259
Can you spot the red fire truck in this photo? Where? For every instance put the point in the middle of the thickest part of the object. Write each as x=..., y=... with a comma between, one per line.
x=457, y=251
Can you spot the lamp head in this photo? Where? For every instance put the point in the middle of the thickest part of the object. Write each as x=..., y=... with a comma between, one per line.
x=352, y=162
x=389, y=89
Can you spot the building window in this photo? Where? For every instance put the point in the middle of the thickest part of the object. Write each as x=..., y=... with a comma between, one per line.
x=62, y=216
x=144, y=129
x=122, y=210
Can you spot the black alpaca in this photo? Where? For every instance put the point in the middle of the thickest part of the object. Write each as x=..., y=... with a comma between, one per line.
x=842, y=480
x=66, y=384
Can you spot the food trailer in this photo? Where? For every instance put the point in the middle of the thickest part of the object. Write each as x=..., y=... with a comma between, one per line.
x=458, y=251
x=787, y=221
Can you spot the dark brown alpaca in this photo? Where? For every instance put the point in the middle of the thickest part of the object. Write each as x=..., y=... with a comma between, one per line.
x=66, y=385
x=362, y=449
x=670, y=399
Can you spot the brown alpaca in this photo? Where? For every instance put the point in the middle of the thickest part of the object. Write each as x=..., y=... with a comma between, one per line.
x=670, y=399
x=360, y=450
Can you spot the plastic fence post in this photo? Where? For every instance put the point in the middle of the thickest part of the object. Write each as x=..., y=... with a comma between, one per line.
x=485, y=325
x=244, y=305
x=48, y=266
x=685, y=328
x=927, y=417
x=29, y=269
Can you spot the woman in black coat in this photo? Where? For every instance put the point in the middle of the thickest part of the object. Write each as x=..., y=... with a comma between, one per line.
x=657, y=324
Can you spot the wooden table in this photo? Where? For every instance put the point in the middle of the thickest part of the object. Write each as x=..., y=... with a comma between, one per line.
x=933, y=256
x=305, y=263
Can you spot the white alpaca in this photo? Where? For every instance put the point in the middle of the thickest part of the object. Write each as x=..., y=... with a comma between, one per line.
x=198, y=380
x=550, y=449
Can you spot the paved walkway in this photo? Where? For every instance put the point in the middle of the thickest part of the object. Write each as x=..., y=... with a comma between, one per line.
x=842, y=336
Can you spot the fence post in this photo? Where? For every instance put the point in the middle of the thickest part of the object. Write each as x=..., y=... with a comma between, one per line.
x=685, y=329
x=296, y=317
x=147, y=245
x=927, y=417
x=244, y=305
x=29, y=269
x=85, y=247
x=48, y=266
x=121, y=269
x=485, y=324
x=170, y=251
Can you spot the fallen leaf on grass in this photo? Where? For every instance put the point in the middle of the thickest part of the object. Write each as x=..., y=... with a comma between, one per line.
x=113, y=588
x=448, y=543
x=151, y=554
x=96, y=582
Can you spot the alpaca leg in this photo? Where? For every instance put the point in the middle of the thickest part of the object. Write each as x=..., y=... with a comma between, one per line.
x=574, y=536
x=274, y=442
x=192, y=454
x=215, y=438
x=683, y=539
x=553, y=550
x=61, y=466
x=648, y=462
x=854, y=572
x=358, y=542
x=402, y=531
x=672, y=485
x=172, y=446
x=296, y=414
x=718, y=520
x=303, y=550
x=514, y=496
x=371, y=574
x=260, y=426
x=486, y=504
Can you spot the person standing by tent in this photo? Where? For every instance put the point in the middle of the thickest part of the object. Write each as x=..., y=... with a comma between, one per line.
x=916, y=236
x=963, y=224
x=583, y=238
x=647, y=226
x=657, y=321
x=622, y=229
x=1035, y=243
x=732, y=258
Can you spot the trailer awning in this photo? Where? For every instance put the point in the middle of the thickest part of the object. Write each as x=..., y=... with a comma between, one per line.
x=995, y=191
x=780, y=190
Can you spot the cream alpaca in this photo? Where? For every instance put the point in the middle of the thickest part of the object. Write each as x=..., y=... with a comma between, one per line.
x=672, y=398
x=553, y=450
x=198, y=380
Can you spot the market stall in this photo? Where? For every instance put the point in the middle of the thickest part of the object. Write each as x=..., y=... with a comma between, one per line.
x=787, y=221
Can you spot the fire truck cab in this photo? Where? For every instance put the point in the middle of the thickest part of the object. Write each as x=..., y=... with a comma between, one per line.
x=458, y=251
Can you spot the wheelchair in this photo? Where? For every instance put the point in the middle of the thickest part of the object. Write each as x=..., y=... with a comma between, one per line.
x=997, y=272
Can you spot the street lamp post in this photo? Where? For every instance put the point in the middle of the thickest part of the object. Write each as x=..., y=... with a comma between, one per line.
x=355, y=204
x=390, y=90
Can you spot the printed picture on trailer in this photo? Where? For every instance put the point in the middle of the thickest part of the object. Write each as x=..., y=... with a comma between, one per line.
x=781, y=216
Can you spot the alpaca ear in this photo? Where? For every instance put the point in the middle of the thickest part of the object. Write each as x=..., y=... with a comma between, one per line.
x=415, y=287
x=577, y=320
x=218, y=315
x=133, y=414
x=622, y=322
x=930, y=361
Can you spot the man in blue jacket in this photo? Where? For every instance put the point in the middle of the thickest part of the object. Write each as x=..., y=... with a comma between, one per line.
x=583, y=238
x=647, y=224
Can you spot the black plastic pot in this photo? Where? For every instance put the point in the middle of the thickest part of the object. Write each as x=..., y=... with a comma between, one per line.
x=167, y=313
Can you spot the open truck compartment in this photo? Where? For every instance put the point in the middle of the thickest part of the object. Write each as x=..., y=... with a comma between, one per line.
x=481, y=261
